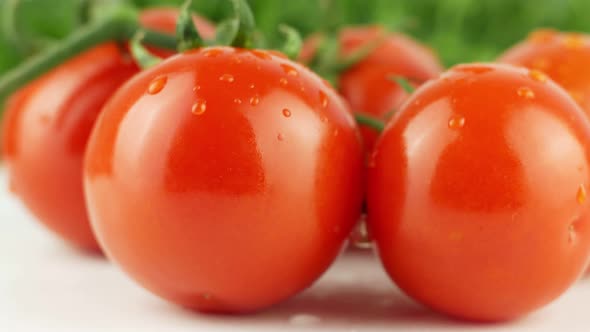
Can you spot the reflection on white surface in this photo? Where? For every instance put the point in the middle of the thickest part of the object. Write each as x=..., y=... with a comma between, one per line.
x=46, y=286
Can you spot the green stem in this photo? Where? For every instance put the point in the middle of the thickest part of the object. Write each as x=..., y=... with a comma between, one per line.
x=141, y=55
x=119, y=27
x=247, y=28
x=404, y=83
x=293, y=43
x=186, y=31
x=369, y=121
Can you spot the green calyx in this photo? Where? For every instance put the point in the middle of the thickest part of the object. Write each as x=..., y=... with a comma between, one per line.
x=329, y=62
x=236, y=31
x=369, y=121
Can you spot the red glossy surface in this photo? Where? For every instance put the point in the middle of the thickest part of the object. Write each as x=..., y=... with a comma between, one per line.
x=477, y=193
x=224, y=180
x=367, y=86
x=565, y=57
x=47, y=125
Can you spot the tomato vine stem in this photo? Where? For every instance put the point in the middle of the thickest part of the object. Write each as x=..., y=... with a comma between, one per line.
x=369, y=121
x=120, y=26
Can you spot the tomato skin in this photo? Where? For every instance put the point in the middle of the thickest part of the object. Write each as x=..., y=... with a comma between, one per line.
x=565, y=57
x=477, y=200
x=46, y=128
x=367, y=86
x=232, y=186
x=47, y=125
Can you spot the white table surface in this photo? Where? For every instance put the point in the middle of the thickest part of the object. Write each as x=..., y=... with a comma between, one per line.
x=47, y=286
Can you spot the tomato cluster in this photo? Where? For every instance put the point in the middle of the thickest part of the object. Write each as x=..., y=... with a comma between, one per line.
x=227, y=179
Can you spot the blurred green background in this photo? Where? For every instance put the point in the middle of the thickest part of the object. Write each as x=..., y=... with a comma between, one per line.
x=459, y=30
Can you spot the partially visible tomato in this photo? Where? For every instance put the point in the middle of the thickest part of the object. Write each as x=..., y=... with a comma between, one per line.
x=367, y=86
x=224, y=179
x=477, y=192
x=47, y=125
x=164, y=19
x=565, y=57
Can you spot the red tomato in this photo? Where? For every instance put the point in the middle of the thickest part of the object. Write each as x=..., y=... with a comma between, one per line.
x=565, y=57
x=477, y=192
x=367, y=86
x=224, y=179
x=46, y=128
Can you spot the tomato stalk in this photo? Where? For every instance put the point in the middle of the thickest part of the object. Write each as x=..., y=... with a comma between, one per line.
x=369, y=121
x=186, y=31
x=404, y=83
x=141, y=55
x=120, y=26
x=237, y=31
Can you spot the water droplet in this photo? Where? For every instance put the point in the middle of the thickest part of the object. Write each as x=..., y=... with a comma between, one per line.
x=581, y=194
x=283, y=81
x=335, y=133
x=456, y=122
x=302, y=88
x=251, y=86
x=212, y=53
x=542, y=35
x=199, y=107
x=304, y=320
x=324, y=99
x=525, y=92
x=323, y=118
x=538, y=76
x=573, y=40
x=254, y=100
x=571, y=232
x=280, y=137
x=206, y=296
x=227, y=78
x=289, y=70
x=237, y=101
x=237, y=59
x=286, y=112
x=196, y=88
x=157, y=84
x=261, y=54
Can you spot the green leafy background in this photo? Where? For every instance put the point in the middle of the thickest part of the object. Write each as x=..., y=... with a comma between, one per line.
x=459, y=30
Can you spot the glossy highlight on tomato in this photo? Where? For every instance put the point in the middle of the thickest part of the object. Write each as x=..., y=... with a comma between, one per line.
x=367, y=86
x=47, y=124
x=224, y=179
x=477, y=192
x=564, y=56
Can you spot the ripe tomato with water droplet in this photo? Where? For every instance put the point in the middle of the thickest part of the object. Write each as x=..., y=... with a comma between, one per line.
x=48, y=122
x=563, y=56
x=248, y=202
x=483, y=218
